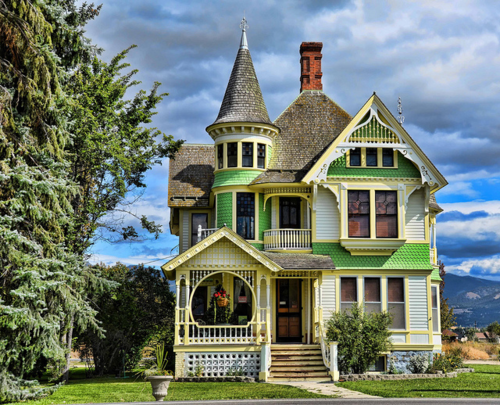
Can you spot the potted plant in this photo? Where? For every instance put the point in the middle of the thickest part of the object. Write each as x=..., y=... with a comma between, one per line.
x=158, y=375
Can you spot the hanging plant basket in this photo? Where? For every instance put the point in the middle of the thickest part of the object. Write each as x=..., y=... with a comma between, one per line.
x=222, y=302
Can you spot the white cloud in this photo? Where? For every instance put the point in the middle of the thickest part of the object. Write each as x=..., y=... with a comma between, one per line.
x=491, y=265
x=491, y=207
x=152, y=260
x=477, y=229
x=460, y=188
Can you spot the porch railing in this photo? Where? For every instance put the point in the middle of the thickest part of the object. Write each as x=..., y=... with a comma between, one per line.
x=287, y=239
x=227, y=334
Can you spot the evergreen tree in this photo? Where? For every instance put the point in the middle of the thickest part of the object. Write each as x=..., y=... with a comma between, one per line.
x=448, y=318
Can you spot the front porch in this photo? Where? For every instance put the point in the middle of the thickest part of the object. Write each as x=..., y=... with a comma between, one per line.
x=267, y=304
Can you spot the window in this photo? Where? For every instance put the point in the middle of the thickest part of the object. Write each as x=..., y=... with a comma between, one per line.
x=435, y=312
x=247, y=157
x=396, y=302
x=348, y=292
x=196, y=221
x=261, y=155
x=245, y=215
x=232, y=154
x=242, y=302
x=355, y=157
x=386, y=211
x=220, y=156
x=371, y=157
x=387, y=158
x=359, y=214
x=373, y=303
x=379, y=364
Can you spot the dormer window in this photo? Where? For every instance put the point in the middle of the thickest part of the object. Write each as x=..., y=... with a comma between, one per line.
x=247, y=154
x=261, y=156
x=232, y=154
x=387, y=157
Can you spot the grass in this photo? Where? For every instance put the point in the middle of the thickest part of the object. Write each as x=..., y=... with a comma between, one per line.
x=483, y=383
x=107, y=389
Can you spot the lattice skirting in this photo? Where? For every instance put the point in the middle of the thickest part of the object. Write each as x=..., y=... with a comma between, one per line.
x=218, y=364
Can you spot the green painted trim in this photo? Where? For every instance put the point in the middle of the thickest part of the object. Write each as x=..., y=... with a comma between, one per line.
x=406, y=169
x=258, y=246
x=225, y=210
x=264, y=216
x=235, y=177
x=435, y=275
x=410, y=256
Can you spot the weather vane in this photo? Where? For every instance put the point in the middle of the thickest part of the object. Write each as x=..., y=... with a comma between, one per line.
x=243, y=24
x=401, y=117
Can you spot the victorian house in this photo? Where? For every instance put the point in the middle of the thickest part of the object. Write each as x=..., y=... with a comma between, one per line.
x=282, y=222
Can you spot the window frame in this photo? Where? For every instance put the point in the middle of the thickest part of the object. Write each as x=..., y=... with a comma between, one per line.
x=259, y=157
x=250, y=156
x=369, y=215
x=435, y=318
x=236, y=216
x=380, y=293
x=197, y=212
x=228, y=160
x=386, y=215
x=355, y=278
x=380, y=162
x=220, y=157
x=406, y=320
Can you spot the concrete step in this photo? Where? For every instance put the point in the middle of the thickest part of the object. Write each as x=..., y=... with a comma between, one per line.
x=299, y=374
x=299, y=379
x=294, y=347
x=295, y=352
x=296, y=368
x=296, y=358
x=284, y=363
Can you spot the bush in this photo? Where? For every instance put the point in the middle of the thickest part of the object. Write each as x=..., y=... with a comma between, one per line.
x=418, y=364
x=446, y=362
x=361, y=337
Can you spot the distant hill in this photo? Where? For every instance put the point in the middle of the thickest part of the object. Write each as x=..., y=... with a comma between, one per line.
x=474, y=299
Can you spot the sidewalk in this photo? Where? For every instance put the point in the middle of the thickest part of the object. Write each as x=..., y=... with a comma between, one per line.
x=327, y=388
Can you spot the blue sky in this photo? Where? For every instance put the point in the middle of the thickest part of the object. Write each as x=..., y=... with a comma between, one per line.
x=441, y=57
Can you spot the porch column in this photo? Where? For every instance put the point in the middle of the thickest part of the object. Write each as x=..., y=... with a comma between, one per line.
x=186, y=315
x=259, y=316
x=268, y=309
x=320, y=302
x=309, y=299
x=177, y=310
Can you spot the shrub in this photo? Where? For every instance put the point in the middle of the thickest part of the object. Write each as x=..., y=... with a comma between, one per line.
x=418, y=364
x=361, y=337
x=446, y=362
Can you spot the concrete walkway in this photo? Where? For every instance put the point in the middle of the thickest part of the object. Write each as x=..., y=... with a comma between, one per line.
x=326, y=388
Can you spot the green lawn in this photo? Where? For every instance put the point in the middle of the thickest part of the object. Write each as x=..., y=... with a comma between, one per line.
x=98, y=390
x=484, y=382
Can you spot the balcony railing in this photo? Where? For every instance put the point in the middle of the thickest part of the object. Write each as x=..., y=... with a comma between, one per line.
x=204, y=233
x=287, y=239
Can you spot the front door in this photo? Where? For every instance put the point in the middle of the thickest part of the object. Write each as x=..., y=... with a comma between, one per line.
x=289, y=310
x=289, y=213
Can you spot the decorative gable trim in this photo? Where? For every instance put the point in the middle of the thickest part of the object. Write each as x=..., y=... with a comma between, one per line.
x=374, y=126
x=227, y=233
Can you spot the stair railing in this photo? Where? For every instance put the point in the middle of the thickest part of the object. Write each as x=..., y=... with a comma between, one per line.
x=325, y=347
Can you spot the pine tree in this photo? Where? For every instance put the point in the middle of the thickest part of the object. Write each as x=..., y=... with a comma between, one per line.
x=41, y=278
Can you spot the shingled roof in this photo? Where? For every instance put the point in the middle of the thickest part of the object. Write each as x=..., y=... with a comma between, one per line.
x=433, y=203
x=243, y=101
x=191, y=175
x=297, y=261
x=308, y=126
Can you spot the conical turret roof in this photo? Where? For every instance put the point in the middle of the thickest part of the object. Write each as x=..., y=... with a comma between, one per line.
x=243, y=101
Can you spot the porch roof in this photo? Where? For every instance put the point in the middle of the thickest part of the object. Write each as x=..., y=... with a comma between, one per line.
x=301, y=261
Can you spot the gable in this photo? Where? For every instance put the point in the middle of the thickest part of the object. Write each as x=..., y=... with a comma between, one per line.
x=375, y=127
x=224, y=248
x=222, y=253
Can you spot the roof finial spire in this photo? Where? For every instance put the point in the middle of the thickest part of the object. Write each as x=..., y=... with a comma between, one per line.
x=401, y=117
x=244, y=27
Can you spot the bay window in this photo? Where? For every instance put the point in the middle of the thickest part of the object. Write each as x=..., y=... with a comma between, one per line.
x=435, y=310
x=348, y=292
x=232, y=154
x=247, y=154
x=261, y=155
x=396, y=302
x=386, y=210
x=220, y=156
x=359, y=214
x=372, y=301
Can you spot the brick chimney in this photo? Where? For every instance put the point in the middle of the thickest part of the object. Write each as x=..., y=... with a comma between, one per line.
x=310, y=62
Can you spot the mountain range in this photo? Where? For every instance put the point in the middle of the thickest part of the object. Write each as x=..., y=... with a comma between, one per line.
x=474, y=299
